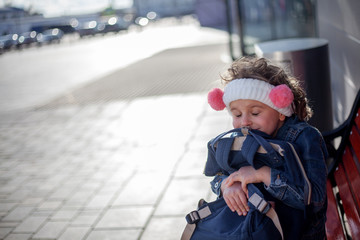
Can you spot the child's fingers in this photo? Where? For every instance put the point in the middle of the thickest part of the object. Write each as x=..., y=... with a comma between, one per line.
x=244, y=187
x=244, y=202
x=230, y=205
x=240, y=207
x=230, y=180
x=236, y=206
x=239, y=204
x=226, y=181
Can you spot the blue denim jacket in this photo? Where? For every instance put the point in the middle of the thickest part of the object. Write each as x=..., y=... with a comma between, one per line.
x=312, y=151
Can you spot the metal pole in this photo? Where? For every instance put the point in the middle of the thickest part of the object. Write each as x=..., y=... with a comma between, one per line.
x=240, y=26
x=229, y=28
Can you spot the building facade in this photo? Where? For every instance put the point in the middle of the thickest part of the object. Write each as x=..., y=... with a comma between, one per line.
x=339, y=23
x=164, y=8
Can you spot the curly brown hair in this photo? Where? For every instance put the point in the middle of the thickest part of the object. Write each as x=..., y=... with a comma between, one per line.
x=263, y=69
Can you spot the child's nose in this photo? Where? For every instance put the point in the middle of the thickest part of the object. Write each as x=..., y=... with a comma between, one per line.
x=245, y=122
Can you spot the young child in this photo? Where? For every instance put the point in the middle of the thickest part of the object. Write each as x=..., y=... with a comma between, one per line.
x=261, y=96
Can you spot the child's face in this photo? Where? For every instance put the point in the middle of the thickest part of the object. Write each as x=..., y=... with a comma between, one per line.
x=256, y=115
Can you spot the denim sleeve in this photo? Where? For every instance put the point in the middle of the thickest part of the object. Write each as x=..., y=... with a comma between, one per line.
x=216, y=184
x=312, y=151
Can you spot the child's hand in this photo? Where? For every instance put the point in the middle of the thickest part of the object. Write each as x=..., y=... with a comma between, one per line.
x=247, y=175
x=235, y=198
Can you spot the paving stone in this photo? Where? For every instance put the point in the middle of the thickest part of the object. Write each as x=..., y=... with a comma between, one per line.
x=51, y=230
x=134, y=217
x=86, y=218
x=136, y=131
x=109, y=188
x=164, y=228
x=74, y=233
x=8, y=189
x=32, y=201
x=128, y=234
x=162, y=157
x=18, y=214
x=80, y=197
x=220, y=119
x=99, y=201
x=49, y=205
x=4, y=224
x=72, y=205
x=182, y=196
x=191, y=164
x=4, y=232
x=4, y=207
x=149, y=187
x=30, y=224
x=113, y=109
x=42, y=213
x=3, y=214
x=18, y=236
x=64, y=215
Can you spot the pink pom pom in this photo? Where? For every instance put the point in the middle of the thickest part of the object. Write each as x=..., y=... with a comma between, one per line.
x=281, y=96
x=215, y=99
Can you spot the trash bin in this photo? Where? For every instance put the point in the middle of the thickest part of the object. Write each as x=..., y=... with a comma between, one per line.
x=308, y=60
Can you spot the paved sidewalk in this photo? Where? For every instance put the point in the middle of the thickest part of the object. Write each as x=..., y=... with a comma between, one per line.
x=119, y=170
x=129, y=167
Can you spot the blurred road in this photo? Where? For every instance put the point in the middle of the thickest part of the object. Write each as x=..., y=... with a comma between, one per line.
x=76, y=62
x=105, y=138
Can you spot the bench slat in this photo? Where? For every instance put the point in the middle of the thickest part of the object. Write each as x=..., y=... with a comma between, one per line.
x=355, y=141
x=334, y=230
x=345, y=175
x=357, y=119
x=348, y=201
x=352, y=175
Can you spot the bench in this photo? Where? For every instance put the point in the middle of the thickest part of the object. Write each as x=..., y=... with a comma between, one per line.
x=343, y=184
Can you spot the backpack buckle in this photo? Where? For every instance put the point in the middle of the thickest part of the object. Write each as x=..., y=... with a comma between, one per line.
x=193, y=217
x=260, y=204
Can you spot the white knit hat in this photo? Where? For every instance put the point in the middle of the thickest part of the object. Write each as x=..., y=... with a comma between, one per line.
x=279, y=98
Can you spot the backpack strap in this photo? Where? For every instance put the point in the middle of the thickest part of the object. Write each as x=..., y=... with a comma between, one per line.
x=188, y=231
x=269, y=148
x=192, y=218
x=264, y=207
x=220, y=147
x=222, y=154
x=256, y=199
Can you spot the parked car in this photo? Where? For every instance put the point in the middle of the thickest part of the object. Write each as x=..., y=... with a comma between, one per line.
x=9, y=41
x=27, y=38
x=50, y=36
x=87, y=28
x=2, y=50
x=142, y=21
x=112, y=24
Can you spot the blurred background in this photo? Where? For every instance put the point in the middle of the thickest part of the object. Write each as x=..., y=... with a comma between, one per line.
x=103, y=113
x=243, y=23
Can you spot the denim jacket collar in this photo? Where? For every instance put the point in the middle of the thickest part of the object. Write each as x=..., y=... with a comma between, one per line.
x=291, y=128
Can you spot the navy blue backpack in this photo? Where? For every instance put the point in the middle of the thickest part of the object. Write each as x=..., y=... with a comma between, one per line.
x=226, y=154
